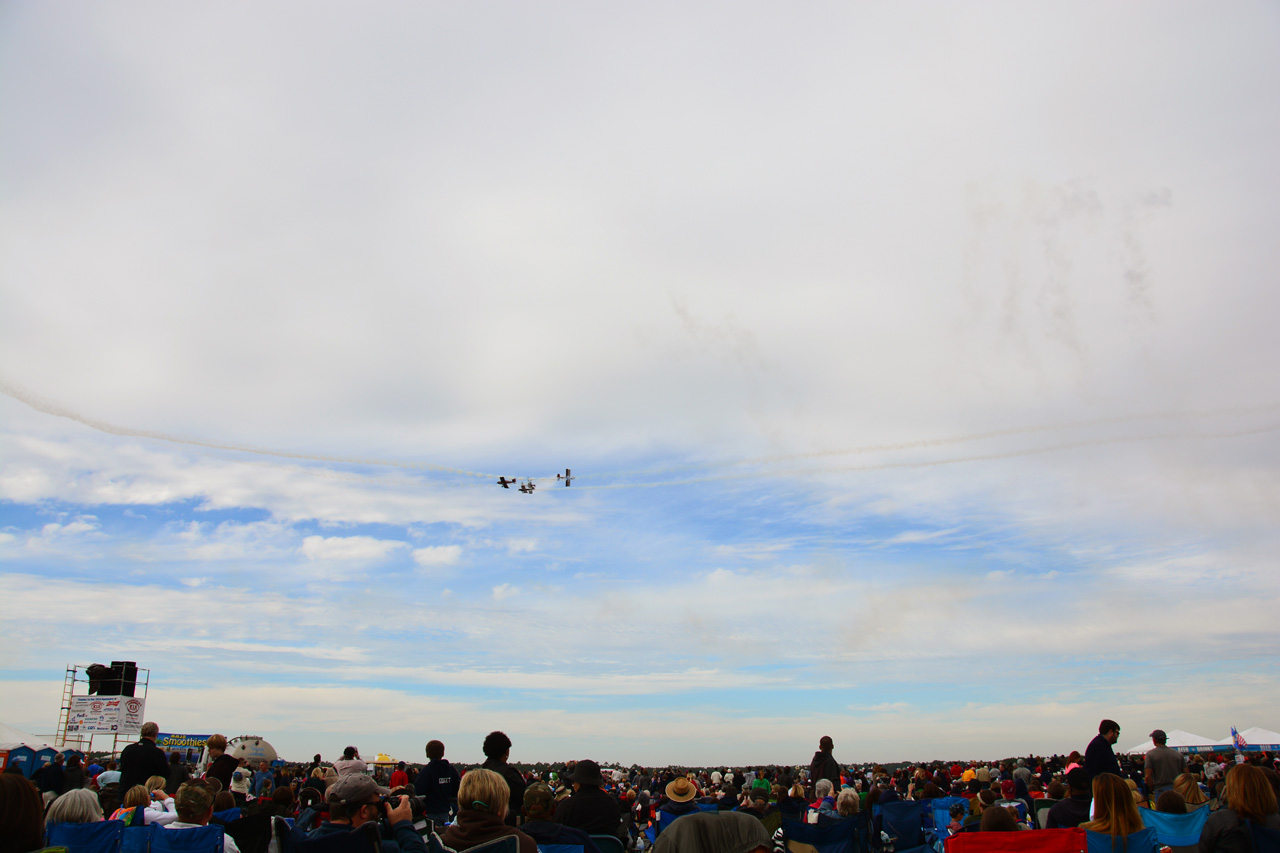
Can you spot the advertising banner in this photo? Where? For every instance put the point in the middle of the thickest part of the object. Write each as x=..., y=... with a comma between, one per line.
x=105, y=715
x=188, y=747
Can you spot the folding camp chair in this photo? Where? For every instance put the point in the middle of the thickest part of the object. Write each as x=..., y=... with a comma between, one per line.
x=560, y=848
x=200, y=839
x=506, y=844
x=1179, y=831
x=1042, y=811
x=362, y=839
x=844, y=836
x=608, y=843
x=1039, y=841
x=1265, y=839
x=1142, y=841
x=903, y=821
x=100, y=837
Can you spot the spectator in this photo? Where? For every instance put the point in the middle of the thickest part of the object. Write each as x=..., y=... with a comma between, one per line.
x=1099, y=757
x=133, y=806
x=143, y=759
x=48, y=779
x=1249, y=797
x=483, y=799
x=350, y=763
x=76, y=806
x=1114, y=811
x=437, y=784
x=589, y=808
x=1073, y=810
x=263, y=777
x=539, y=823
x=998, y=819
x=221, y=765
x=1171, y=802
x=497, y=750
x=399, y=778
x=177, y=774
x=355, y=799
x=848, y=803
x=1189, y=788
x=823, y=764
x=109, y=776
x=21, y=815
x=195, y=809
x=73, y=777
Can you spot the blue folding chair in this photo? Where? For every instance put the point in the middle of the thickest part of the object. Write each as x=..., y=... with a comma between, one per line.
x=200, y=839
x=1177, y=830
x=903, y=820
x=560, y=848
x=838, y=837
x=137, y=839
x=362, y=839
x=1142, y=841
x=608, y=843
x=100, y=837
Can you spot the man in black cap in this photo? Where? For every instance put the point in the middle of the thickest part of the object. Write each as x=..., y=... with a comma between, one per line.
x=355, y=800
x=1074, y=809
x=540, y=825
x=1163, y=765
x=589, y=808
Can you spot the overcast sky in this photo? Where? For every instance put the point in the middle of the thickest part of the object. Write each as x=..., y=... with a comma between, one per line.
x=916, y=362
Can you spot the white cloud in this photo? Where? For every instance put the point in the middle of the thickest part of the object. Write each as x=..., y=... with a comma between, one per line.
x=437, y=555
x=355, y=548
x=503, y=591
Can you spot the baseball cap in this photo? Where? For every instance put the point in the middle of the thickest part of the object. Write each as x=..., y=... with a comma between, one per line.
x=354, y=789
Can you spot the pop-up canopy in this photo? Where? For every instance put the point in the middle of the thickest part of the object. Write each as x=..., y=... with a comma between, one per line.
x=1179, y=740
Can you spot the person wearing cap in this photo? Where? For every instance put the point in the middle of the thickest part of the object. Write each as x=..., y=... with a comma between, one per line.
x=1074, y=809
x=758, y=806
x=194, y=804
x=823, y=765
x=540, y=824
x=355, y=799
x=589, y=808
x=1163, y=765
x=1099, y=757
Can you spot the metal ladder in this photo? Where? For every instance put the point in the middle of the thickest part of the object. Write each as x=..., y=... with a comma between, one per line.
x=64, y=715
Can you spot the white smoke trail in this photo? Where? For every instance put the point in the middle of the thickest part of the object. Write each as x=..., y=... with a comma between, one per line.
x=50, y=407
x=919, y=444
x=957, y=460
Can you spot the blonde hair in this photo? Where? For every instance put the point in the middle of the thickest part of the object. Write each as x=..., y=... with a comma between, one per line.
x=155, y=783
x=1114, y=811
x=77, y=806
x=1248, y=792
x=218, y=742
x=484, y=791
x=848, y=802
x=136, y=796
x=1186, y=786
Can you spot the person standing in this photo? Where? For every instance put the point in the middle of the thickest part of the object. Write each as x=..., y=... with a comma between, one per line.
x=1099, y=757
x=589, y=808
x=437, y=784
x=144, y=759
x=497, y=749
x=823, y=765
x=1163, y=765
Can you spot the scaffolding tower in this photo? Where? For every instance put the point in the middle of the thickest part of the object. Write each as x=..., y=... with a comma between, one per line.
x=83, y=741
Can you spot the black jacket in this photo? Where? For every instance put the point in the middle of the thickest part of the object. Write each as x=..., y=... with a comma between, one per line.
x=437, y=784
x=591, y=810
x=514, y=781
x=139, y=762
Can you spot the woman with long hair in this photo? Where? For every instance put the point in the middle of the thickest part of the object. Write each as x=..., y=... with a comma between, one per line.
x=21, y=815
x=1114, y=811
x=1189, y=788
x=1249, y=797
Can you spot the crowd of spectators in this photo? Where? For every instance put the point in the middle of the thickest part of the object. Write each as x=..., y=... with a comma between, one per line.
x=570, y=802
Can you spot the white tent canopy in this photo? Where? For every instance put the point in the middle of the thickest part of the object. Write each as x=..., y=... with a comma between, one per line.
x=1255, y=738
x=11, y=737
x=1178, y=739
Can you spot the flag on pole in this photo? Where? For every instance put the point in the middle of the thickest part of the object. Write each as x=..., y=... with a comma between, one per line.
x=1238, y=740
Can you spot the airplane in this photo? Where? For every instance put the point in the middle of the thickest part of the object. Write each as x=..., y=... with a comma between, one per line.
x=528, y=486
x=565, y=476
x=505, y=483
